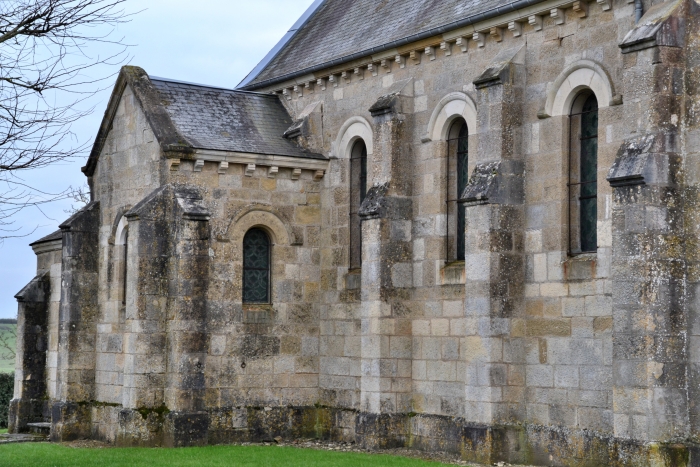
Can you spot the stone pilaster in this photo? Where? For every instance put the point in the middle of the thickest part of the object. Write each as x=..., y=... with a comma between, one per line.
x=653, y=253
x=78, y=316
x=386, y=260
x=494, y=258
x=27, y=405
x=168, y=260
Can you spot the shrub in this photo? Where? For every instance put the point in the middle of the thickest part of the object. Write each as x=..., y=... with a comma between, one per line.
x=7, y=384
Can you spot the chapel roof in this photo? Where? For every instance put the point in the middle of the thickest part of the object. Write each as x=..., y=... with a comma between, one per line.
x=186, y=117
x=229, y=120
x=338, y=31
x=57, y=235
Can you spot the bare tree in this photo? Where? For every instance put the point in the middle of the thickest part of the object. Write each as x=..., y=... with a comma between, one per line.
x=45, y=80
x=8, y=339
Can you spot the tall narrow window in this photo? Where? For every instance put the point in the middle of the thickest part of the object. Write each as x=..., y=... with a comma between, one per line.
x=457, y=179
x=583, y=176
x=125, y=264
x=256, y=267
x=358, y=191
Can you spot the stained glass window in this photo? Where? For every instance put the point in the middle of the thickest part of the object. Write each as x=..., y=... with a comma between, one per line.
x=588, y=198
x=462, y=180
x=256, y=267
x=358, y=191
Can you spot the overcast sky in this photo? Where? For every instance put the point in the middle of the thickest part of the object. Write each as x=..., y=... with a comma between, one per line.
x=208, y=41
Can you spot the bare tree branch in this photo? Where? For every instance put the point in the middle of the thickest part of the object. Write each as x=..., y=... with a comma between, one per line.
x=44, y=60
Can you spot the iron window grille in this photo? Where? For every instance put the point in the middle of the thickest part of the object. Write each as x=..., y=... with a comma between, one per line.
x=583, y=194
x=256, y=267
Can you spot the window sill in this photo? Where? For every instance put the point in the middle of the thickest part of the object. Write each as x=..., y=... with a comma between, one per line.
x=353, y=279
x=581, y=266
x=453, y=273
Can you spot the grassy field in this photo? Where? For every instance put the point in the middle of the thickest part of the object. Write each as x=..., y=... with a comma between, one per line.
x=52, y=455
x=7, y=365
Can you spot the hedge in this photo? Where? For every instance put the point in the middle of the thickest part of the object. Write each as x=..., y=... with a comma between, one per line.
x=7, y=385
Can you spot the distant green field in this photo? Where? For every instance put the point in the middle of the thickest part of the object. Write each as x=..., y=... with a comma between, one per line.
x=7, y=365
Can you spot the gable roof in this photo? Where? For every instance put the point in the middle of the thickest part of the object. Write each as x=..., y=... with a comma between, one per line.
x=229, y=120
x=185, y=117
x=344, y=30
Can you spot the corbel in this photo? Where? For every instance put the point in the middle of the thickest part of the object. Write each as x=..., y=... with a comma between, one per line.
x=558, y=15
x=174, y=164
x=360, y=73
x=372, y=68
x=250, y=170
x=606, y=4
x=479, y=38
x=386, y=64
x=299, y=91
x=462, y=43
x=198, y=165
x=287, y=93
x=223, y=167
x=272, y=172
x=446, y=47
x=496, y=33
x=415, y=57
x=430, y=52
x=516, y=28
x=296, y=173
x=401, y=60
x=581, y=9
x=318, y=175
x=346, y=76
x=321, y=83
x=535, y=21
x=333, y=79
x=309, y=86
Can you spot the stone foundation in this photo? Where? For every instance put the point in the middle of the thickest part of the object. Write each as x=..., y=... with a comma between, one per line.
x=515, y=444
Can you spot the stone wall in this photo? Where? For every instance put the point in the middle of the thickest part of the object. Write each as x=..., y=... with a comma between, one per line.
x=524, y=352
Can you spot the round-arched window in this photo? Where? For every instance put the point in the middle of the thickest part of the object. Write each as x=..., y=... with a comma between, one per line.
x=256, y=267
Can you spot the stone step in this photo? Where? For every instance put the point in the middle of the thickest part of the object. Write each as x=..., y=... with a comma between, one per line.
x=42, y=428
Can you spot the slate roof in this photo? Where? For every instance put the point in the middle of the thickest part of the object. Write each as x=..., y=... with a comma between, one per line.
x=229, y=120
x=57, y=235
x=341, y=30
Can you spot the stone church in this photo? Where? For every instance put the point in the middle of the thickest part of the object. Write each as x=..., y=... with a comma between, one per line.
x=469, y=226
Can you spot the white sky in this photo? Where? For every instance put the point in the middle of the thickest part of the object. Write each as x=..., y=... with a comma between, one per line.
x=208, y=41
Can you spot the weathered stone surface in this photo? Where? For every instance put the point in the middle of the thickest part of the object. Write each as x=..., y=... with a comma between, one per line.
x=527, y=350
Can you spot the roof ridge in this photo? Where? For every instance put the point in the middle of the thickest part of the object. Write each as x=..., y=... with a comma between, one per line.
x=209, y=86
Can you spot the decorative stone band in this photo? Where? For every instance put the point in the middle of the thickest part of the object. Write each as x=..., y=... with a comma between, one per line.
x=251, y=161
x=493, y=28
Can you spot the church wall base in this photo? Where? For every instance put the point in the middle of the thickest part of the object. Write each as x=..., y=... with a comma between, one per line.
x=515, y=444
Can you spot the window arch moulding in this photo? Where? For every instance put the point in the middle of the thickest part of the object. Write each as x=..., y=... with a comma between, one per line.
x=261, y=219
x=451, y=107
x=580, y=75
x=353, y=129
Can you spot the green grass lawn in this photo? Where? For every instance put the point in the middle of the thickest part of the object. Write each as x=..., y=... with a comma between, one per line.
x=52, y=455
x=7, y=365
x=3, y=430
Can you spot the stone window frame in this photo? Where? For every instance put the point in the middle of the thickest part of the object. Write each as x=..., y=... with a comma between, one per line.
x=354, y=129
x=262, y=218
x=121, y=251
x=448, y=110
x=581, y=76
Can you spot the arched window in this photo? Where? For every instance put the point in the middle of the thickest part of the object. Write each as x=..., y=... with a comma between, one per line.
x=256, y=267
x=358, y=191
x=121, y=252
x=583, y=174
x=125, y=244
x=457, y=179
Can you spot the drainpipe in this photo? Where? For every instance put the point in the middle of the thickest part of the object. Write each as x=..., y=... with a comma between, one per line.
x=638, y=10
